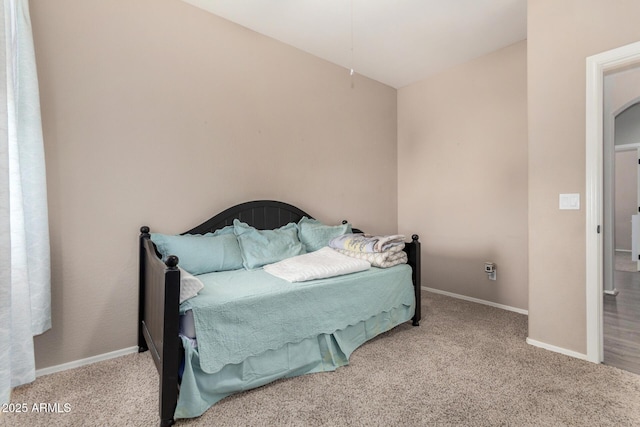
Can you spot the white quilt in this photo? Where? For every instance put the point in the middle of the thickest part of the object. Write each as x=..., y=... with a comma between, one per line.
x=384, y=259
x=320, y=264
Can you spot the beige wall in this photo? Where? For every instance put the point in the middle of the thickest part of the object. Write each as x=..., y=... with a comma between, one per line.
x=462, y=162
x=158, y=113
x=560, y=37
x=621, y=91
x=164, y=97
x=626, y=199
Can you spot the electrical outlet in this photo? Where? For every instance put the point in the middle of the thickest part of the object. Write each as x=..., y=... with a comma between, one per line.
x=490, y=269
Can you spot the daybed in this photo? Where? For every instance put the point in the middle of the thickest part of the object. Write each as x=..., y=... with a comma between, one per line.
x=264, y=327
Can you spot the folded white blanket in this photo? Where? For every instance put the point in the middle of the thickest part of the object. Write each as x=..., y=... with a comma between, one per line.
x=379, y=259
x=320, y=264
x=367, y=243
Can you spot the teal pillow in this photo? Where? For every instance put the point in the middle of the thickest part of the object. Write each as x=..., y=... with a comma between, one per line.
x=261, y=247
x=228, y=229
x=199, y=254
x=315, y=235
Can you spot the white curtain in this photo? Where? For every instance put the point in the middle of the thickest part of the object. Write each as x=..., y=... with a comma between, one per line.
x=25, y=290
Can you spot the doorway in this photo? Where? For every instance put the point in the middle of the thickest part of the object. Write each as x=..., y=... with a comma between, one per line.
x=621, y=194
x=597, y=66
x=621, y=307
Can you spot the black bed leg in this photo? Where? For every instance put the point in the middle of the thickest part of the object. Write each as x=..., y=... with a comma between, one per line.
x=167, y=423
x=144, y=234
x=414, y=260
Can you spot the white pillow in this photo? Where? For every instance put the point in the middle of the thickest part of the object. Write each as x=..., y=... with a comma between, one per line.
x=323, y=263
x=189, y=285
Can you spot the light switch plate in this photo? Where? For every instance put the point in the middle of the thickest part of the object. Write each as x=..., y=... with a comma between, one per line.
x=570, y=201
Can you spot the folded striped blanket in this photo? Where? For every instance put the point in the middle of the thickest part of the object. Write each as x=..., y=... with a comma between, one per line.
x=368, y=244
x=379, y=259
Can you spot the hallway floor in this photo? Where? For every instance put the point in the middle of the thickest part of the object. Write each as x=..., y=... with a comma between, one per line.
x=622, y=322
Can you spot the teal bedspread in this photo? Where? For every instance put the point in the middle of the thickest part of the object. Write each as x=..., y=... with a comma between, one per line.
x=243, y=313
x=254, y=328
x=322, y=353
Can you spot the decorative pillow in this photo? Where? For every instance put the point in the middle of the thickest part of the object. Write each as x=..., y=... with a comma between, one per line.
x=189, y=285
x=315, y=235
x=260, y=247
x=199, y=254
x=228, y=229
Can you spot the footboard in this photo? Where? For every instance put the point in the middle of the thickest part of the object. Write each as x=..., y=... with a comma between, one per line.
x=159, y=320
x=413, y=255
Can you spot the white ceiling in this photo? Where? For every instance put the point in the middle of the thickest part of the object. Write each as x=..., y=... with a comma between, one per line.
x=396, y=42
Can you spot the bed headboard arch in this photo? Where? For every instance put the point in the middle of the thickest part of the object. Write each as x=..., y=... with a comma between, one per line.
x=261, y=214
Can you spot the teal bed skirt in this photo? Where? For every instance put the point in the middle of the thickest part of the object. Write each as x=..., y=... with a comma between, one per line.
x=325, y=352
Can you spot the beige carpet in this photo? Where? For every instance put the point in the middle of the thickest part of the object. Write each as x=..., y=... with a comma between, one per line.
x=467, y=364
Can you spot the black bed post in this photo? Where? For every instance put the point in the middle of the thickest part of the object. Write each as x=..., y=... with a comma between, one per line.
x=417, y=284
x=142, y=343
x=172, y=348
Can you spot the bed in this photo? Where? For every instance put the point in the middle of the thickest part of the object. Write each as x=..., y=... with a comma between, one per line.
x=223, y=358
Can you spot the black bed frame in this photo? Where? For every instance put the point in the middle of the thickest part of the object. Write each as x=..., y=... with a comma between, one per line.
x=159, y=292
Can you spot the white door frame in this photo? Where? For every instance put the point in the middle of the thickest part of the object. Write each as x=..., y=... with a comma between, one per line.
x=597, y=65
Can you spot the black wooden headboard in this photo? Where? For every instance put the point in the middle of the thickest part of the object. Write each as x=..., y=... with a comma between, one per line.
x=261, y=214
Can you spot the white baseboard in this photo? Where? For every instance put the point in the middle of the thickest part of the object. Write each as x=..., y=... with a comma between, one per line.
x=530, y=341
x=556, y=349
x=87, y=361
x=134, y=349
x=479, y=301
